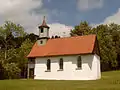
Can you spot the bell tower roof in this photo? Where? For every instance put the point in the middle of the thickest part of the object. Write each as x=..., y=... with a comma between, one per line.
x=44, y=24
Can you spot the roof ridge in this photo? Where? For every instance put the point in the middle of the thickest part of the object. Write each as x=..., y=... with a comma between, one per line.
x=75, y=36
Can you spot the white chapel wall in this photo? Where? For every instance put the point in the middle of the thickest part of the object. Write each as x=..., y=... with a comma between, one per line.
x=90, y=68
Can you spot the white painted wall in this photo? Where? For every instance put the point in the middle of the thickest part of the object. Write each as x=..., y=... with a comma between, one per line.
x=44, y=34
x=43, y=40
x=90, y=68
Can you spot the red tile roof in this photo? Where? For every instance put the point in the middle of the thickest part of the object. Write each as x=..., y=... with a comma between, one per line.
x=65, y=46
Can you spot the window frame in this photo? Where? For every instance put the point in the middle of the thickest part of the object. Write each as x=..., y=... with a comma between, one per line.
x=48, y=65
x=41, y=42
x=61, y=64
x=42, y=30
x=79, y=63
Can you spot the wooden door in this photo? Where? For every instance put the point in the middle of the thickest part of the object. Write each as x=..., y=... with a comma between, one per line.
x=31, y=73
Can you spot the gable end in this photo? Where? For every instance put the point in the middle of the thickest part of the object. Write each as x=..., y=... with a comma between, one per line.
x=96, y=49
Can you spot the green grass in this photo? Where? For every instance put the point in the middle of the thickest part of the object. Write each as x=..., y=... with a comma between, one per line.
x=109, y=81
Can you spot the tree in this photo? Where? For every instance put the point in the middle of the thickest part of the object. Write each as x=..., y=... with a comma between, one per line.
x=31, y=37
x=1, y=71
x=15, y=45
x=10, y=35
x=115, y=34
x=12, y=71
x=8, y=32
x=22, y=56
x=107, y=50
x=82, y=29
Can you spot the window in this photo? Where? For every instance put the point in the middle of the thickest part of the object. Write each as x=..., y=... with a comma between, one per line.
x=41, y=42
x=79, y=63
x=61, y=64
x=41, y=30
x=48, y=65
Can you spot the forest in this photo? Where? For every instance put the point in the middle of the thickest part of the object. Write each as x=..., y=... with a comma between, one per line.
x=15, y=45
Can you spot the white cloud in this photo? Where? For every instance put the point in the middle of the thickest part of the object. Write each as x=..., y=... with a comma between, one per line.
x=21, y=11
x=85, y=5
x=60, y=29
x=114, y=18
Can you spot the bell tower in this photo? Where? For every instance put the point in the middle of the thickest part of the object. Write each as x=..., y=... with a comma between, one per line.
x=43, y=33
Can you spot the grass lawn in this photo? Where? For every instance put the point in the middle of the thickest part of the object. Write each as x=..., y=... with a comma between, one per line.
x=109, y=81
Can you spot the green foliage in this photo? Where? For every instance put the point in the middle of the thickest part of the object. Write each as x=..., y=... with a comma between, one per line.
x=22, y=54
x=16, y=29
x=1, y=71
x=108, y=51
x=8, y=32
x=82, y=29
x=11, y=71
x=15, y=44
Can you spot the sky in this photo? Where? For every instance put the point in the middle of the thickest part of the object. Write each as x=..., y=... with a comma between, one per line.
x=61, y=15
